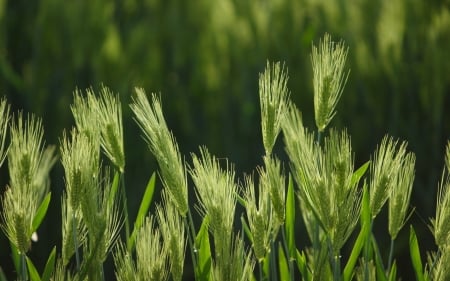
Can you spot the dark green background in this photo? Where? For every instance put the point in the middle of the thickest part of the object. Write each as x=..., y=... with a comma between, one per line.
x=205, y=56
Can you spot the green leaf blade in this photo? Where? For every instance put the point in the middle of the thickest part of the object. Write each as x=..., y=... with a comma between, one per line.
x=143, y=209
x=41, y=212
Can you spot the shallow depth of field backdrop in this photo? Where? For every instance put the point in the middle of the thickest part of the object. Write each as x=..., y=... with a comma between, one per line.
x=205, y=56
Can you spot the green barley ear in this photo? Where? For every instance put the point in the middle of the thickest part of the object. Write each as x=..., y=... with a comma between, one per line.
x=216, y=192
x=441, y=270
x=80, y=161
x=259, y=216
x=386, y=164
x=151, y=253
x=400, y=195
x=441, y=224
x=85, y=114
x=29, y=163
x=273, y=96
x=111, y=129
x=4, y=120
x=125, y=268
x=173, y=233
x=234, y=262
x=163, y=146
x=344, y=197
x=329, y=78
x=274, y=180
x=71, y=219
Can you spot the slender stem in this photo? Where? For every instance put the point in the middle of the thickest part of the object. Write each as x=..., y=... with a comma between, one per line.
x=291, y=268
x=260, y=270
x=319, y=136
x=23, y=267
x=273, y=266
x=191, y=245
x=391, y=255
x=367, y=253
x=337, y=267
x=124, y=205
x=75, y=240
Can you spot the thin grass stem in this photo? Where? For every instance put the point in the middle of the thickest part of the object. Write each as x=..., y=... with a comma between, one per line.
x=273, y=266
x=260, y=266
x=124, y=205
x=391, y=255
x=191, y=242
x=23, y=267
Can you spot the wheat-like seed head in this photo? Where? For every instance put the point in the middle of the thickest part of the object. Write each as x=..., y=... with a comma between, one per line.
x=260, y=217
x=29, y=164
x=151, y=253
x=329, y=78
x=386, y=165
x=273, y=96
x=109, y=112
x=216, y=192
x=401, y=194
x=174, y=237
x=274, y=180
x=163, y=146
x=4, y=120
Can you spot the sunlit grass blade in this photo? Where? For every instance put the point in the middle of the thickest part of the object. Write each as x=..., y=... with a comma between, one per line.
x=41, y=212
x=358, y=174
x=302, y=265
x=32, y=271
x=381, y=273
x=114, y=188
x=393, y=272
x=143, y=209
x=202, y=245
x=247, y=230
x=49, y=266
x=414, y=251
x=283, y=264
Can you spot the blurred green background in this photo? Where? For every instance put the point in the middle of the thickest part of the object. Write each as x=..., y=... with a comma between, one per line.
x=205, y=57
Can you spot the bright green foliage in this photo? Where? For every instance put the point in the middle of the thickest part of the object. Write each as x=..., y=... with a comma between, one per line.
x=328, y=190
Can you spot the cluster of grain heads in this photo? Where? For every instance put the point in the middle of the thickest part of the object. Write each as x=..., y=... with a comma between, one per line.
x=91, y=217
x=29, y=163
x=387, y=162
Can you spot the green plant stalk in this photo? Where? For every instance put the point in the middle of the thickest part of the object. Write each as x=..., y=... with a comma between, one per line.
x=75, y=241
x=391, y=255
x=191, y=240
x=336, y=267
x=290, y=263
x=367, y=253
x=124, y=205
x=23, y=267
x=273, y=266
